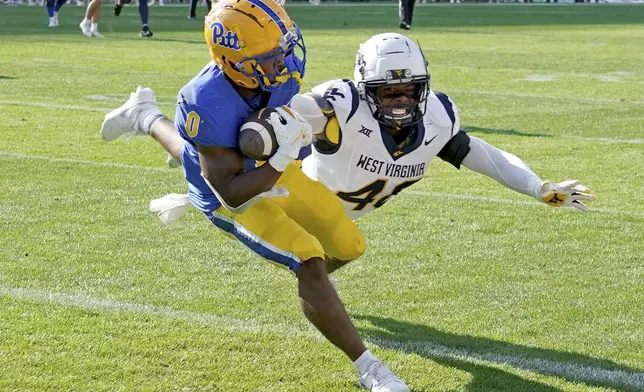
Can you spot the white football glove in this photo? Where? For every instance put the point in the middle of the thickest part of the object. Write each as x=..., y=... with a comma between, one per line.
x=292, y=132
x=565, y=194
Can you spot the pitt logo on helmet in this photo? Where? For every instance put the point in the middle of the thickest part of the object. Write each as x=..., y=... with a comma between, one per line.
x=223, y=37
x=256, y=44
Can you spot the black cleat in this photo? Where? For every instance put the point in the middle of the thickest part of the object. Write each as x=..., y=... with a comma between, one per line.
x=118, y=6
x=405, y=26
x=145, y=31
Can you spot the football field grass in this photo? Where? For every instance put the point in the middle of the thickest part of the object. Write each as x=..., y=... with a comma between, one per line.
x=465, y=285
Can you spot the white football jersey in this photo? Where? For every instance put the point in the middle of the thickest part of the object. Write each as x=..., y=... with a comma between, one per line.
x=366, y=168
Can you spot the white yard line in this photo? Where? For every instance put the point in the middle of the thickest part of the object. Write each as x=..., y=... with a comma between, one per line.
x=55, y=106
x=513, y=202
x=91, y=68
x=543, y=96
x=12, y=155
x=63, y=106
x=92, y=303
x=568, y=370
x=606, y=139
x=81, y=162
x=107, y=97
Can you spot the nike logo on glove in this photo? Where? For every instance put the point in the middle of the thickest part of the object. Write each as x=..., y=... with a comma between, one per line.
x=430, y=140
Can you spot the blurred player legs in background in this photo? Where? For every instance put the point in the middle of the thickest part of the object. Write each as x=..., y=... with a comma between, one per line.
x=406, y=13
x=192, y=14
x=53, y=6
x=143, y=12
x=89, y=25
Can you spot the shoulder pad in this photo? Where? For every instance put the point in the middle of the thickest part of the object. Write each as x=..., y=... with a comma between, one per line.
x=341, y=94
x=443, y=111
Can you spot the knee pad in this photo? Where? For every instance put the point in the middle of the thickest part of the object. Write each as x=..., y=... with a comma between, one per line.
x=347, y=242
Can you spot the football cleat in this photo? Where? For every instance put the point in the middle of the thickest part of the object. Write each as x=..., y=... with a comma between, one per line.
x=405, y=26
x=379, y=378
x=133, y=118
x=145, y=32
x=96, y=34
x=173, y=163
x=53, y=22
x=85, y=27
x=117, y=9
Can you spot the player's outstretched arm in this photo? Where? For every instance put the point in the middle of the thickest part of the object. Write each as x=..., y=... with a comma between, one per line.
x=513, y=173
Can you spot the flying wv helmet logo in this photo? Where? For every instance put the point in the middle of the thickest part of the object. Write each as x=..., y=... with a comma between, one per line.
x=223, y=37
x=398, y=74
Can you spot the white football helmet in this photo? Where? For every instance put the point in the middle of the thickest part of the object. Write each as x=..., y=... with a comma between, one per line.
x=390, y=59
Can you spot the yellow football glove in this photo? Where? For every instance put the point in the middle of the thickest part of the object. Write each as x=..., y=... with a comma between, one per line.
x=565, y=194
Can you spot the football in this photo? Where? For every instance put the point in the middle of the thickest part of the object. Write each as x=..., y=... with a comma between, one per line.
x=257, y=137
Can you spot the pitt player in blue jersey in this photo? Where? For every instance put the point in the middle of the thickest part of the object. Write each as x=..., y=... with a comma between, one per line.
x=274, y=209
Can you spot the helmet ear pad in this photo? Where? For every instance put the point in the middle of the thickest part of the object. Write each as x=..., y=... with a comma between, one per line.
x=236, y=75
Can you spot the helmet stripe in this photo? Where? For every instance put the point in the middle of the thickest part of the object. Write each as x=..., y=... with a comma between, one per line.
x=269, y=11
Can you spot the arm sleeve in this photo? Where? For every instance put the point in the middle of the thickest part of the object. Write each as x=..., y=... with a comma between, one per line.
x=307, y=106
x=502, y=166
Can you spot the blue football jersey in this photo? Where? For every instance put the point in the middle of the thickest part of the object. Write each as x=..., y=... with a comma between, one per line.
x=210, y=112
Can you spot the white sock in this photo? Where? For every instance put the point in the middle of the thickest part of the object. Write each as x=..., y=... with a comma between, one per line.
x=94, y=27
x=362, y=363
x=86, y=21
x=151, y=118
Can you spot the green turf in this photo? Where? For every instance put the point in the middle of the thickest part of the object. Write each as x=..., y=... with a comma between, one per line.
x=456, y=294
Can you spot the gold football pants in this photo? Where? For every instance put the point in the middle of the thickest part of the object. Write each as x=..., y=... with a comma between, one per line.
x=310, y=222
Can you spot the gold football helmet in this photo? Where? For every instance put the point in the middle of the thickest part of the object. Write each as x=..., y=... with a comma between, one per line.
x=254, y=42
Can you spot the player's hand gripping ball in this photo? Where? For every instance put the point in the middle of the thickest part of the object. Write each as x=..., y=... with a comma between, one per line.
x=257, y=137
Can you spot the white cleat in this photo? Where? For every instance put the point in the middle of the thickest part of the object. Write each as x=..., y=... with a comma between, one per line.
x=95, y=33
x=53, y=22
x=173, y=163
x=134, y=117
x=379, y=378
x=86, y=28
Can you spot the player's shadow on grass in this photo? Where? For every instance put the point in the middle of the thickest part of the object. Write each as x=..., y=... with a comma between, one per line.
x=511, y=132
x=467, y=352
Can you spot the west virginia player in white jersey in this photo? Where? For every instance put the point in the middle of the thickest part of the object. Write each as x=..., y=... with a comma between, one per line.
x=376, y=135
x=274, y=209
